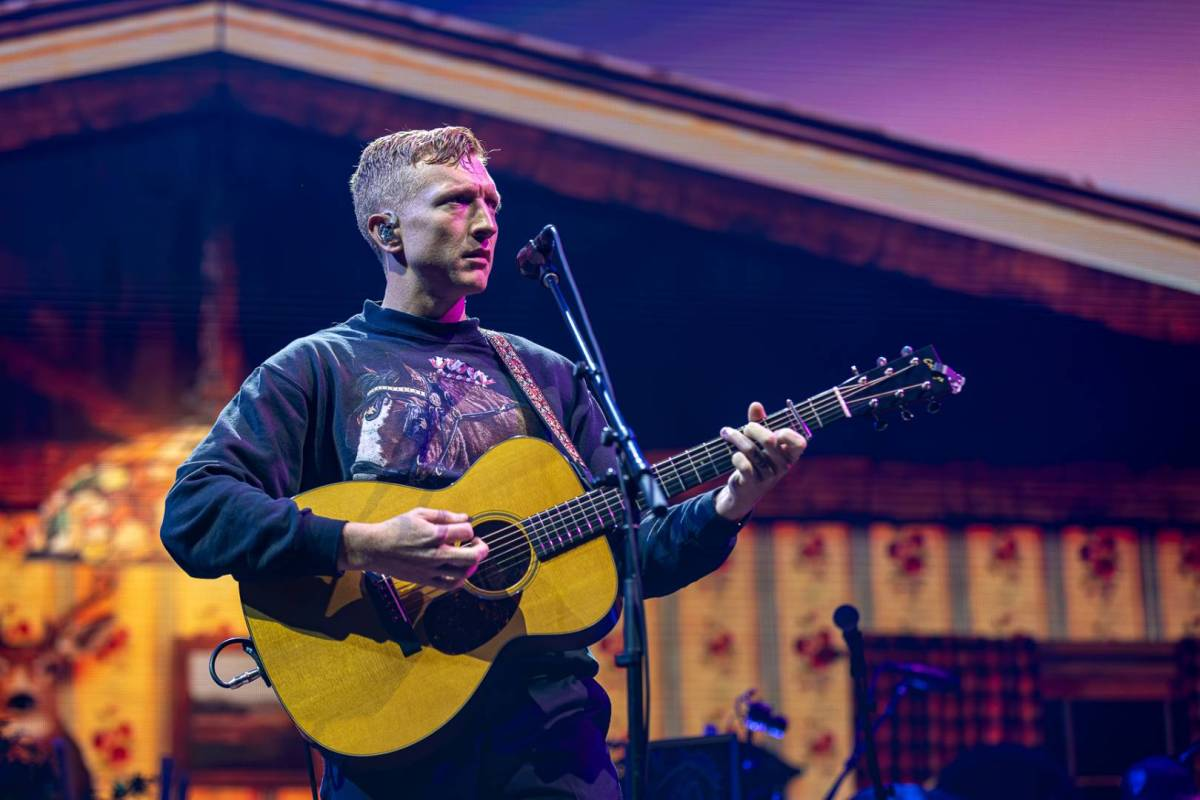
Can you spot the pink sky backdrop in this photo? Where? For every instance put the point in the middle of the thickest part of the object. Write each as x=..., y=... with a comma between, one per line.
x=1093, y=90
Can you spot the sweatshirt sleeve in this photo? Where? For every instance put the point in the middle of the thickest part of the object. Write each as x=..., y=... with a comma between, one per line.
x=230, y=511
x=691, y=541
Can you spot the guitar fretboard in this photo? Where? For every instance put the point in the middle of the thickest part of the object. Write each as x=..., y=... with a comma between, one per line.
x=599, y=511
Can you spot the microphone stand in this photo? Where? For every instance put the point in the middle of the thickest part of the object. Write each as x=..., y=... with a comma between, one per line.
x=898, y=691
x=636, y=479
x=846, y=618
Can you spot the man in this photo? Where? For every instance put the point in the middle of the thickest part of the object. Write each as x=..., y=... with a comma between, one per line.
x=411, y=390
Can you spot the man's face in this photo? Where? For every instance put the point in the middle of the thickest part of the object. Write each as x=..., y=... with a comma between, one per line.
x=448, y=228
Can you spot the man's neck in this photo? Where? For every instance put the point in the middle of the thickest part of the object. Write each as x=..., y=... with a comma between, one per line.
x=400, y=297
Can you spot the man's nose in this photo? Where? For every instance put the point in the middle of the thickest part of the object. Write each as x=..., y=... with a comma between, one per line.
x=483, y=226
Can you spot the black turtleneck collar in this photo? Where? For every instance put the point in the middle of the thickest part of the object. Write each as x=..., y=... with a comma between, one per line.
x=389, y=322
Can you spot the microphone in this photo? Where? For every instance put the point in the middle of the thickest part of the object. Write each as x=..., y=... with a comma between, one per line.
x=923, y=677
x=533, y=255
x=846, y=618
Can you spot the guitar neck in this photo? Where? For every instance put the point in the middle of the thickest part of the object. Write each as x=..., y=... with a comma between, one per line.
x=596, y=512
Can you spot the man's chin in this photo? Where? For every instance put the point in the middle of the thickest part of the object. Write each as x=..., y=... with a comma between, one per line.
x=473, y=282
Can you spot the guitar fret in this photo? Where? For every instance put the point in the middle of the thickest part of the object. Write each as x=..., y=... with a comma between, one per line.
x=546, y=532
x=578, y=514
x=567, y=523
x=816, y=414
x=551, y=524
x=801, y=427
x=676, y=477
x=535, y=533
x=695, y=466
x=572, y=530
x=715, y=469
x=574, y=533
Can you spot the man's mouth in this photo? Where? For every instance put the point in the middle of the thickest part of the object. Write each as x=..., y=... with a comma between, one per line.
x=482, y=256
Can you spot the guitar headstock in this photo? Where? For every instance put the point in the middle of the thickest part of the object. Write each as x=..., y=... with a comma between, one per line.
x=915, y=379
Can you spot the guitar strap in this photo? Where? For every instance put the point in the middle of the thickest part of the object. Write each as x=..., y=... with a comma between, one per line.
x=516, y=368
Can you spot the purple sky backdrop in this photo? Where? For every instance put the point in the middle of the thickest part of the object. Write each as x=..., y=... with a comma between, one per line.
x=1094, y=90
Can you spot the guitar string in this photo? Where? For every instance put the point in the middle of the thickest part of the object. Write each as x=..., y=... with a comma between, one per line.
x=577, y=506
x=706, y=451
x=574, y=512
x=512, y=543
x=592, y=509
x=612, y=500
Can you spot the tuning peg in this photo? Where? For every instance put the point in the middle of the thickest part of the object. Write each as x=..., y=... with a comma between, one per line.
x=934, y=406
x=853, y=370
x=877, y=422
x=881, y=361
x=906, y=414
x=906, y=351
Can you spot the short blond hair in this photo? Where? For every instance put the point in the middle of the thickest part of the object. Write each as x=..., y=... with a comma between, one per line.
x=382, y=178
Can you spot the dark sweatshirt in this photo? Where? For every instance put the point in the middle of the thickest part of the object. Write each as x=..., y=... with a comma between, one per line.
x=388, y=396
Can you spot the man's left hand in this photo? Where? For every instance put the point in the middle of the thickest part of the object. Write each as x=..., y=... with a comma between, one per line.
x=761, y=458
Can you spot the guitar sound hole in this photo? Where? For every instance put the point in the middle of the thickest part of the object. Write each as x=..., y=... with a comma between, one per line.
x=508, y=556
x=459, y=622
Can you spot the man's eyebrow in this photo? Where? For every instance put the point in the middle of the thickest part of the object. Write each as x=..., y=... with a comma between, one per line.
x=453, y=188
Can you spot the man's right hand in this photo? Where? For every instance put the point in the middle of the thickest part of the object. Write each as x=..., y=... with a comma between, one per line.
x=428, y=546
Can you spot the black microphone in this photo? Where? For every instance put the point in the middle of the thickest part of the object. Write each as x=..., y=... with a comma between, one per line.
x=533, y=255
x=846, y=618
x=923, y=677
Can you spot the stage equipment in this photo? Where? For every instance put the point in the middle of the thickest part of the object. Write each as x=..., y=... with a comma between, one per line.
x=533, y=256
x=846, y=618
x=758, y=717
x=914, y=677
x=638, y=482
x=715, y=768
x=922, y=677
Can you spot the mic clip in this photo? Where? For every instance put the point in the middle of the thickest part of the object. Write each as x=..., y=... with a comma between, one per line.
x=533, y=257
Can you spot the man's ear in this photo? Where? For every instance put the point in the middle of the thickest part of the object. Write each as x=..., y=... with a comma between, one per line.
x=383, y=227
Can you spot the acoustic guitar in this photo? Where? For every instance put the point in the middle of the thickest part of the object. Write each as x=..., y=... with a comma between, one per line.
x=367, y=665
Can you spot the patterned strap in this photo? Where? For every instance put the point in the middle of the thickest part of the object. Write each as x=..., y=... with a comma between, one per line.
x=516, y=367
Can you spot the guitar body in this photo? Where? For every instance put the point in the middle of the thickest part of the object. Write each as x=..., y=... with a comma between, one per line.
x=339, y=671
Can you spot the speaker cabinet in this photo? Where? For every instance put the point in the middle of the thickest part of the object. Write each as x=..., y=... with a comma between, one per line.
x=697, y=768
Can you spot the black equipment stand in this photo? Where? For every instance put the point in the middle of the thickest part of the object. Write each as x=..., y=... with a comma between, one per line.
x=637, y=481
x=846, y=618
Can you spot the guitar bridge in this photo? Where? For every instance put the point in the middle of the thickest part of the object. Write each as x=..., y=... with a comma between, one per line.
x=382, y=594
